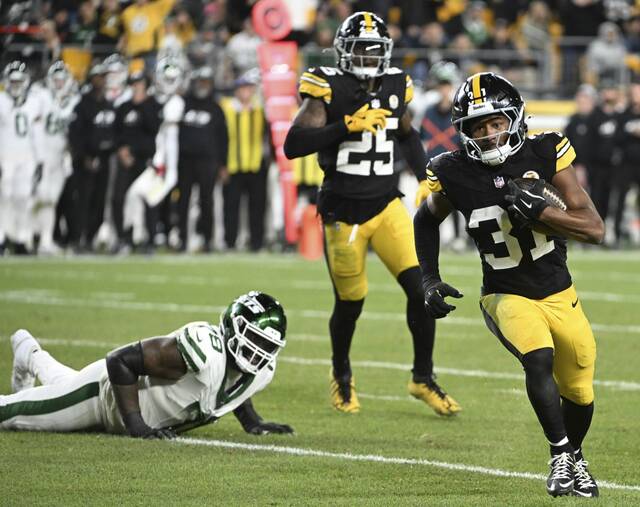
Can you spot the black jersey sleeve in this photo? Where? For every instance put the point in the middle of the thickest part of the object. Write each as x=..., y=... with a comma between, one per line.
x=557, y=151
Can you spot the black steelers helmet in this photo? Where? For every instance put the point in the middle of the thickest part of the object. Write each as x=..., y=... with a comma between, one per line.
x=363, y=45
x=486, y=94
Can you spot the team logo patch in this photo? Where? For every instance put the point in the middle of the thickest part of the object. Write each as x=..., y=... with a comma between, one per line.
x=375, y=103
x=393, y=101
x=531, y=174
x=498, y=181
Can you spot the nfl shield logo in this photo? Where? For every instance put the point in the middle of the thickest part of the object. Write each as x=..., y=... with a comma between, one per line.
x=498, y=181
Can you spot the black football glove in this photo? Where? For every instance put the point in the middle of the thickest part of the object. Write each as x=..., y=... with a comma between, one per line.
x=526, y=205
x=137, y=428
x=264, y=428
x=160, y=434
x=434, y=301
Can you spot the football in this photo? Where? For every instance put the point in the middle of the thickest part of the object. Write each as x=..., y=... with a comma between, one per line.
x=549, y=192
x=551, y=195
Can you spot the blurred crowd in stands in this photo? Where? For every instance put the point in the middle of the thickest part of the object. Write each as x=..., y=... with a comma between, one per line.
x=112, y=49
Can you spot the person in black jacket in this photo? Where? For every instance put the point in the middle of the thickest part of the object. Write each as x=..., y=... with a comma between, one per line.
x=629, y=141
x=203, y=144
x=91, y=137
x=604, y=155
x=137, y=122
x=577, y=130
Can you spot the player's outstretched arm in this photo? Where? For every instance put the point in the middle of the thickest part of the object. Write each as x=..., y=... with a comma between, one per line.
x=158, y=357
x=581, y=220
x=310, y=132
x=252, y=423
x=426, y=226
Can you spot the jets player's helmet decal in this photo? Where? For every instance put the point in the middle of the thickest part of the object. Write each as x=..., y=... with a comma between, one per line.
x=59, y=80
x=16, y=79
x=170, y=75
x=254, y=328
x=116, y=75
x=487, y=94
x=363, y=45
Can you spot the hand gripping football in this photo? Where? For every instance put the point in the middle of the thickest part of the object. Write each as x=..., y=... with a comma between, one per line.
x=549, y=192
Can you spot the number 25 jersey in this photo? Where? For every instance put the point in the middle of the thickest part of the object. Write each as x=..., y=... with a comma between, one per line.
x=515, y=259
x=359, y=169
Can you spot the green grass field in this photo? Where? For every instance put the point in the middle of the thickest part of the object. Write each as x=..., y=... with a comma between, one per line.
x=395, y=452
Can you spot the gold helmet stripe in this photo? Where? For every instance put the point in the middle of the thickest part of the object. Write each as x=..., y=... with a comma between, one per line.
x=475, y=86
x=368, y=22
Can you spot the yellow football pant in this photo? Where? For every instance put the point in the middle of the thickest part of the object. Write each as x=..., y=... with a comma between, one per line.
x=391, y=235
x=558, y=322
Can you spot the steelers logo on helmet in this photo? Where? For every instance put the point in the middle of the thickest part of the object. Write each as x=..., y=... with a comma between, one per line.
x=480, y=97
x=363, y=45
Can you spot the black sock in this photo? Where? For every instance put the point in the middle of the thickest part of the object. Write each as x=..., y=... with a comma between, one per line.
x=342, y=325
x=422, y=327
x=577, y=420
x=545, y=398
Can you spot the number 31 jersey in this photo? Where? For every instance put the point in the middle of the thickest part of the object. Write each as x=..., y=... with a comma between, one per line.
x=360, y=167
x=515, y=259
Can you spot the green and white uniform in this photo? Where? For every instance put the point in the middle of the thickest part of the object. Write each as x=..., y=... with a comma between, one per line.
x=70, y=400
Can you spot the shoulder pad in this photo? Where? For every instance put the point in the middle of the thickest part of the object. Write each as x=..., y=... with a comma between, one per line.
x=198, y=344
x=408, y=94
x=314, y=83
x=173, y=109
x=554, y=146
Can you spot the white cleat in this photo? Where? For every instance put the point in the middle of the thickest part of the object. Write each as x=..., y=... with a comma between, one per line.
x=23, y=345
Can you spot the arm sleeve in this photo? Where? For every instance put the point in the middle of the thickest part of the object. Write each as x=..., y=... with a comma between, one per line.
x=78, y=133
x=302, y=141
x=221, y=137
x=426, y=229
x=414, y=154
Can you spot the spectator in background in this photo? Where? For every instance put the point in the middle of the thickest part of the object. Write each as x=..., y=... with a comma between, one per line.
x=534, y=28
x=579, y=18
x=604, y=155
x=51, y=41
x=504, y=55
x=142, y=24
x=632, y=34
x=136, y=125
x=246, y=162
x=91, y=138
x=474, y=23
x=242, y=49
x=109, y=24
x=629, y=172
x=606, y=54
x=577, y=130
x=463, y=54
x=203, y=154
x=85, y=27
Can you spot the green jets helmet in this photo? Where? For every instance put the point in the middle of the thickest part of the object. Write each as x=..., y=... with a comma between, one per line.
x=254, y=328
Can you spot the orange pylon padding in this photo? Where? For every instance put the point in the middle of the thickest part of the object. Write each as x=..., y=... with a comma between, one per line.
x=310, y=241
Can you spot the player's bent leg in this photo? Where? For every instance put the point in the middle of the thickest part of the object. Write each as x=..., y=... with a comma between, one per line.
x=68, y=406
x=345, y=252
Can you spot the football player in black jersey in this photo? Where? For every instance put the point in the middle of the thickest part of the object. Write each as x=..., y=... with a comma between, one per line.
x=528, y=300
x=354, y=115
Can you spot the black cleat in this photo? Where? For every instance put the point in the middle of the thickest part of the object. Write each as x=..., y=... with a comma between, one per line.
x=562, y=477
x=584, y=485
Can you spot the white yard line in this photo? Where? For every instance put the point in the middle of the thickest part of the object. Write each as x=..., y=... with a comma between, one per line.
x=52, y=298
x=374, y=458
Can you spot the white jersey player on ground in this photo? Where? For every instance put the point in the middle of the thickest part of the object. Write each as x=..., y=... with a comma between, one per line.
x=155, y=182
x=20, y=161
x=58, y=98
x=158, y=387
